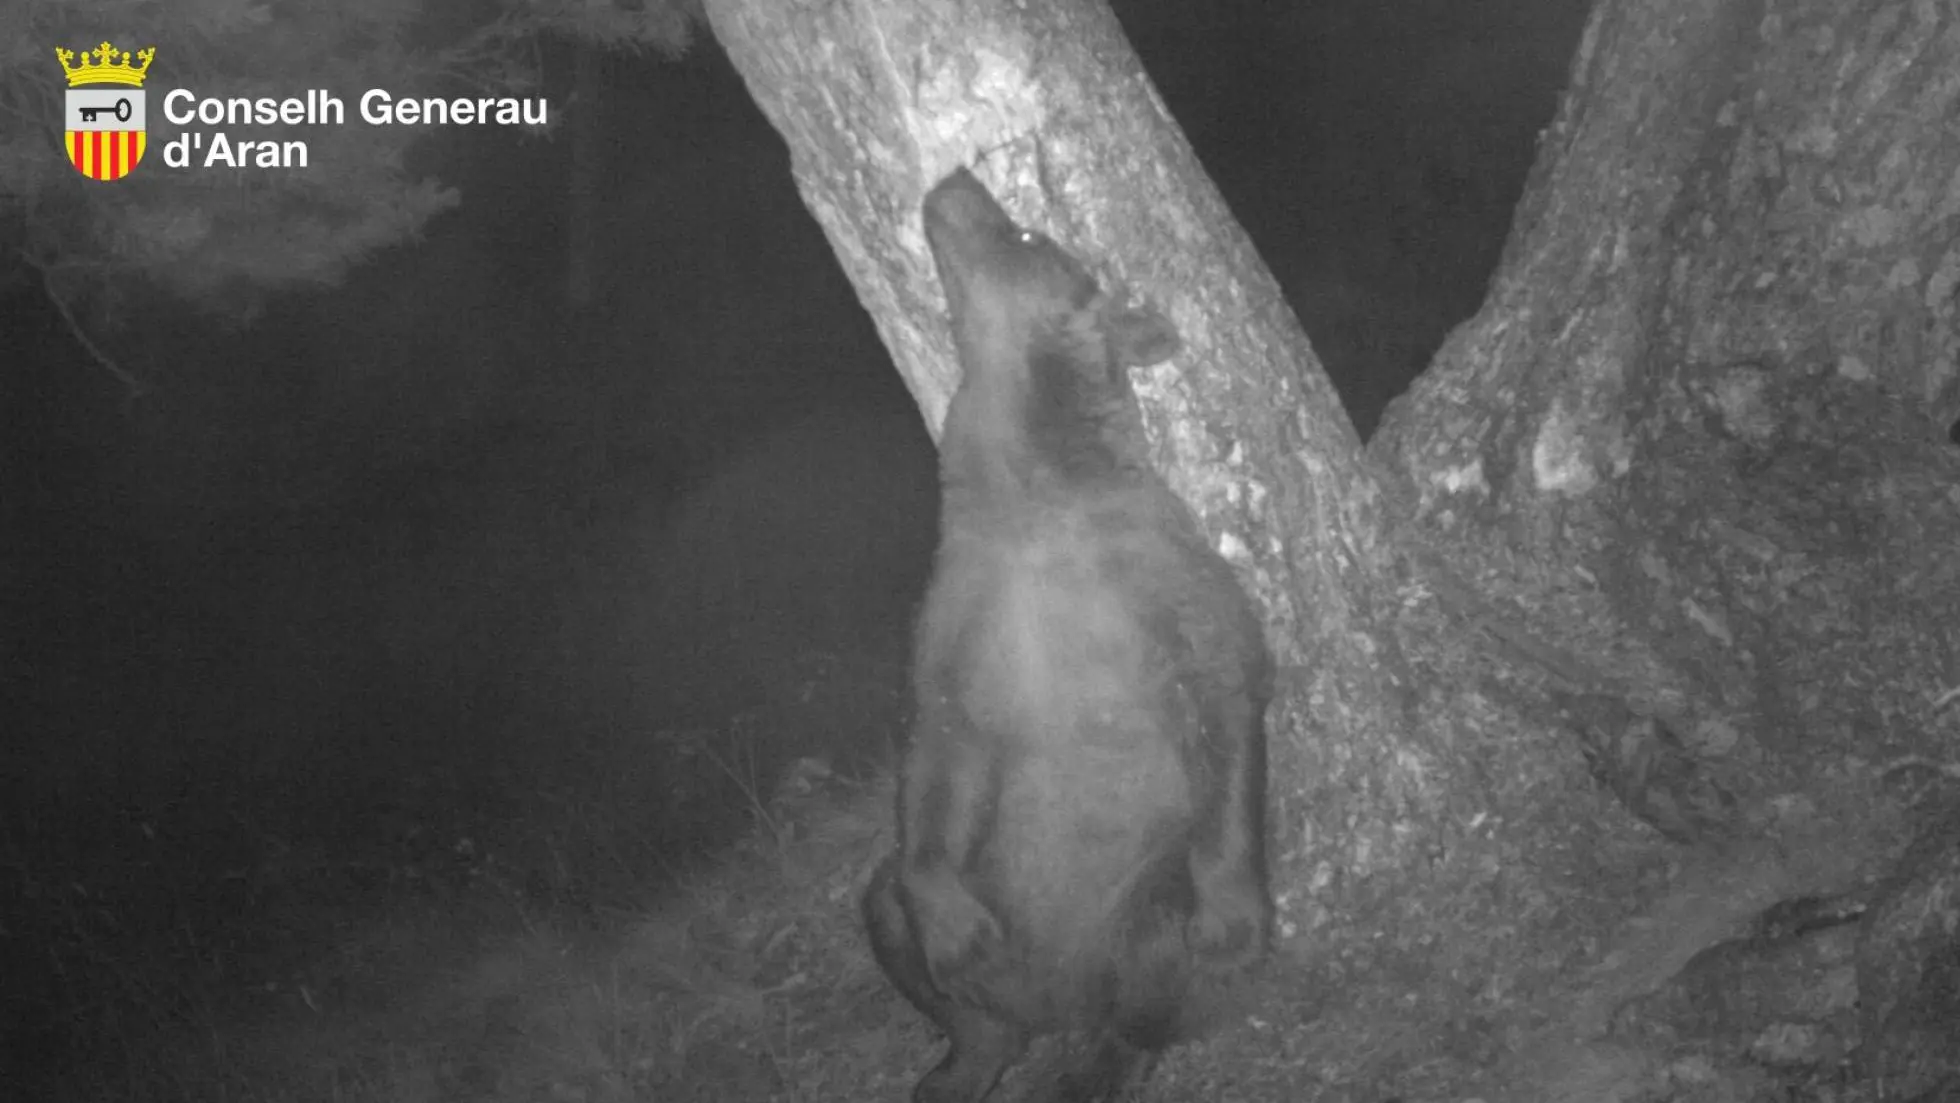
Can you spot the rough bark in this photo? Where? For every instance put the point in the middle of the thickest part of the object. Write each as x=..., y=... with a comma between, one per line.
x=1694, y=437
x=1688, y=468
x=878, y=101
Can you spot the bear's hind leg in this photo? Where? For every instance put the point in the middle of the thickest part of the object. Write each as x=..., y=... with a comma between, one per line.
x=980, y=1046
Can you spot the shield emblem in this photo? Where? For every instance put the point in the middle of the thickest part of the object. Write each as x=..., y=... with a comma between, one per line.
x=106, y=136
x=105, y=133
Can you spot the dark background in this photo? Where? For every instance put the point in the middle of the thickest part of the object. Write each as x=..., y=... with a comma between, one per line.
x=425, y=567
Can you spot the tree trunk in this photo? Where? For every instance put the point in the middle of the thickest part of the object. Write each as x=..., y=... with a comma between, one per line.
x=1688, y=466
x=1655, y=473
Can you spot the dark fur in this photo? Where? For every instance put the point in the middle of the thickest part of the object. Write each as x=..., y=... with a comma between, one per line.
x=1081, y=812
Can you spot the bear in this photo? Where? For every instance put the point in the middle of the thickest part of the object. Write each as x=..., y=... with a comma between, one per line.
x=1081, y=837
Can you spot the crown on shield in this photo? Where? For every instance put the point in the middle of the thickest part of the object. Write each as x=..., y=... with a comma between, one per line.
x=106, y=69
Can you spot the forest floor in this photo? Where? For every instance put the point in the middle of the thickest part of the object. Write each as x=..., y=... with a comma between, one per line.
x=538, y=950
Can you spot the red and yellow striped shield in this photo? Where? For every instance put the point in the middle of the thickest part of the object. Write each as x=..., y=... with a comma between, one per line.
x=105, y=134
x=105, y=154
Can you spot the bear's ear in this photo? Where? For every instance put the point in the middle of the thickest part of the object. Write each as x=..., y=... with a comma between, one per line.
x=1140, y=336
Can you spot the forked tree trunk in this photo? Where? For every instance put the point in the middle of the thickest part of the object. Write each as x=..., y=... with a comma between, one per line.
x=1673, y=514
